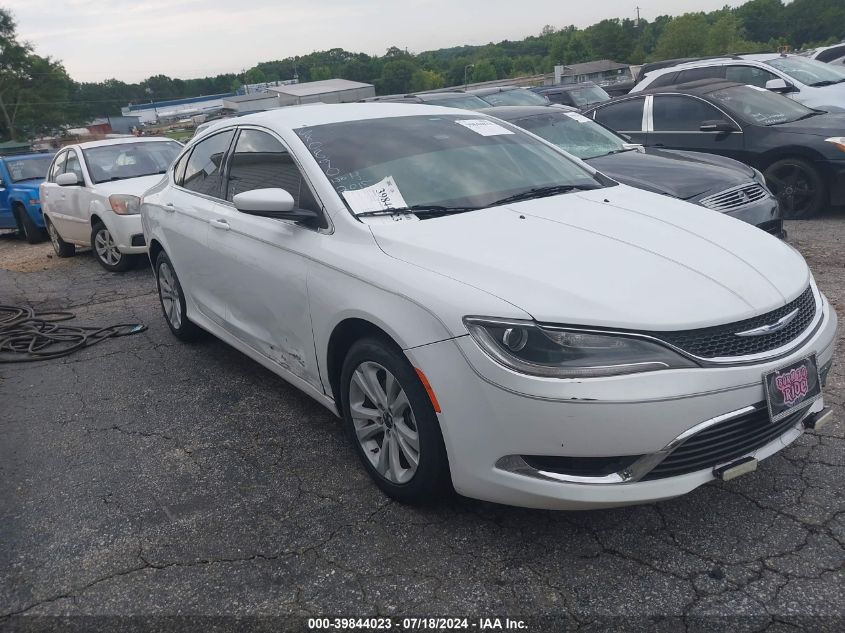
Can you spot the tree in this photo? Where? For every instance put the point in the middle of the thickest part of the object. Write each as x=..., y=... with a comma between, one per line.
x=426, y=80
x=685, y=36
x=255, y=76
x=483, y=71
x=396, y=76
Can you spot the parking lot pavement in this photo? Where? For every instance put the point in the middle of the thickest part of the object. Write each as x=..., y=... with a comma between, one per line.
x=145, y=476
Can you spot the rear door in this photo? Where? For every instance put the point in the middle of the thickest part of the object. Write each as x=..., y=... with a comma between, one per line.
x=675, y=123
x=625, y=117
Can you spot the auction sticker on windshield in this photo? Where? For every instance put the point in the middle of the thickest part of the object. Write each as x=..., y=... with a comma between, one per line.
x=483, y=127
x=382, y=196
x=792, y=387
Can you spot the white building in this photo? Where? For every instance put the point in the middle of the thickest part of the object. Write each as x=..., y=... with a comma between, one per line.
x=253, y=102
x=327, y=91
x=175, y=109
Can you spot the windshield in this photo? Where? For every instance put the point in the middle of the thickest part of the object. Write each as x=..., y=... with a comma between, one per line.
x=515, y=97
x=28, y=168
x=130, y=160
x=574, y=133
x=808, y=71
x=456, y=161
x=758, y=105
x=588, y=95
x=467, y=102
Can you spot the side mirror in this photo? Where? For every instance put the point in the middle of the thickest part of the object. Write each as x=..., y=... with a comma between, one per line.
x=271, y=203
x=67, y=179
x=780, y=85
x=719, y=125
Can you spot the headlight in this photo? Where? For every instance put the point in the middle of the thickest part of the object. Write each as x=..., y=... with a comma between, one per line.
x=839, y=141
x=124, y=204
x=528, y=348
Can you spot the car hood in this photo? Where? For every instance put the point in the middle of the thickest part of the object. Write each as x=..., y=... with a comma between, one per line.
x=682, y=175
x=825, y=125
x=131, y=186
x=615, y=257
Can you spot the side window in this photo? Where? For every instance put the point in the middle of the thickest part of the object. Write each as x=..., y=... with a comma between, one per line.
x=682, y=114
x=58, y=166
x=669, y=79
x=202, y=170
x=707, y=72
x=625, y=116
x=72, y=166
x=179, y=169
x=749, y=75
x=261, y=161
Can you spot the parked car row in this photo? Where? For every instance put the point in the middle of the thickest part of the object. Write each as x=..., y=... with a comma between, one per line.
x=800, y=150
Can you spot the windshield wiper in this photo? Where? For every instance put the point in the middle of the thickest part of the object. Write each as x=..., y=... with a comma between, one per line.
x=419, y=209
x=541, y=192
x=827, y=82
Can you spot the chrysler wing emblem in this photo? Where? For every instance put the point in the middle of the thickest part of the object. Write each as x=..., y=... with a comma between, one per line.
x=771, y=327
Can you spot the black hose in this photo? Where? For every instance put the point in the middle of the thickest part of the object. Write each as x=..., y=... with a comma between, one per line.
x=27, y=335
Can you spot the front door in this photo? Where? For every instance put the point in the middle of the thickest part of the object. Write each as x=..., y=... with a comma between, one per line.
x=266, y=267
x=676, y=124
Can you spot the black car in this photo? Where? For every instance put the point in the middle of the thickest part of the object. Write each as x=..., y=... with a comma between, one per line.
x=716, y=183
x=801, y=151
x=454, y=99
x=509, y=96
x=580, y=95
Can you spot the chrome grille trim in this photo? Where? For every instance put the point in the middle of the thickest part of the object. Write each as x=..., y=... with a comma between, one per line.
x=735, y=197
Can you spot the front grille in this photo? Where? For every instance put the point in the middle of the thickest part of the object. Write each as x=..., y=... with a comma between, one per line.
x=735, y=198
x=721, y=341
x=723, y=442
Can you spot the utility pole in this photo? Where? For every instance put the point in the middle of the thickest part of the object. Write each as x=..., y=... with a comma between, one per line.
x=638, y=16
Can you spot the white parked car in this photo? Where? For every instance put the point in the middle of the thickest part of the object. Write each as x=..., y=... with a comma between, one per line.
x=484, y=309
x=91, y=196
x=813, y=83
x=828, y=54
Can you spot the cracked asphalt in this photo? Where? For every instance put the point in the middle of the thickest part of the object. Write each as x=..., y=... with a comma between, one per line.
x=146, y=477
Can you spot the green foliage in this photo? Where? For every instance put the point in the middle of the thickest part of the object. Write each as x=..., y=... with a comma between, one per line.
x=37, y=95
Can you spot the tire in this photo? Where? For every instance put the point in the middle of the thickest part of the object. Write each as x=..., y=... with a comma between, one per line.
x=365, y=385
x=32, y=233
x=798, y=186
x=172, y=301
x=62, y=248
x=106, y=251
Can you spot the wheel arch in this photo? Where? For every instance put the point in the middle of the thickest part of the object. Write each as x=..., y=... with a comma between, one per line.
x=788, y=151
x=153, y=251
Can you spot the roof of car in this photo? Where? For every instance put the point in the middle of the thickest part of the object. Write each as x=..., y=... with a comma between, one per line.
x=123, y=141
x=564, y=87
x=493, y=90
x=294, y=117
x=512, y=113
x=698, y=87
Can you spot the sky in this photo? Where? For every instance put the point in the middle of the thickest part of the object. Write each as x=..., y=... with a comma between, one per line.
x=133, y=39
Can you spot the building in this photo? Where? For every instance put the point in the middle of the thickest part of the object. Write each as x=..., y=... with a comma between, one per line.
x=175, y=109
x=253, y=102
x=326, y=91
x=602, y=72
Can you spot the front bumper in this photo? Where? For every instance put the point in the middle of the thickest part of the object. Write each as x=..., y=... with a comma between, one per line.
x=490, y=413
x=125, y=230
x=764, y=213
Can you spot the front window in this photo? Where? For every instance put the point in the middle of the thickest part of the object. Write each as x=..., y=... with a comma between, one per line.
x=468, y=102
x=760, y=106
x=516, y=97
x=449, y=162
x=28, y=168
x=808, y=71
x=574, y=133
x=588, y=95
x=130, y=160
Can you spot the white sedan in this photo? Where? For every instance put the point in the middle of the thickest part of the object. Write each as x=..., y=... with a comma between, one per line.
x=91, y=196
x=486, y=311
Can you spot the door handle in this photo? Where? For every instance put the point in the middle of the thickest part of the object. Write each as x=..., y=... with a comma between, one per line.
x=219, y=224
x=169, y=207
x=659, y=145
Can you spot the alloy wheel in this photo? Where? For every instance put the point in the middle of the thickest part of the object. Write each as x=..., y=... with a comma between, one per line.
x=384, y=422
x=794, y=187
x=169, y=293
x=54, y=236
x=106, y=249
